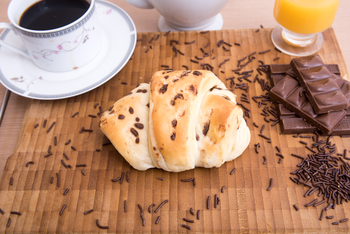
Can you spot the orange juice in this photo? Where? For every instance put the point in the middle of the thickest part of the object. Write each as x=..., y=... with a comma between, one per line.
x=305, y=16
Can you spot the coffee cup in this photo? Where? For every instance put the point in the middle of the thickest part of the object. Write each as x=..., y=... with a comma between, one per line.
x=54, y=47
x=185, y=15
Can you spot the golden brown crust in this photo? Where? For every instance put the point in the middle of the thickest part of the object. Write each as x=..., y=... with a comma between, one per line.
x=189, y=119
x=126, y=126
x=177, y=96
x=218, y=120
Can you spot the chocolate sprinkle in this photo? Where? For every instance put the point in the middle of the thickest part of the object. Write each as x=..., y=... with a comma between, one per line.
x=44, y=124
x=1, y=211
x=157, y=221
x=15, y=212
x=150, y=207
x=47, y=155
x=8, y=222
x=160, y=206
x=64, y=164
x=80, y=165
x=222, y=189
x=188, y=220
x=127, y=176
x=125, y=207
x=58, y=179
x=208, y=202
x=30, y=162
x=116, y=180
x=121, y=177
x=265, y=51
x=65, y=155
x=186, y=226
x=36, y=125
x=191, y=211
x=265, y=161
x=49, y=129
x=233, y=171
x=69, y=141
x=63, y=207
x=66, y=191
x=270, y=186
x=82, y=172
x=88, y=212
x=51, y=180
x=191, y=42
x=296, y=207
x=100, y=226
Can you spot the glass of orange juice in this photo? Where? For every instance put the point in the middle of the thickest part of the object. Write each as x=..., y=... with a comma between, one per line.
x=301, y=23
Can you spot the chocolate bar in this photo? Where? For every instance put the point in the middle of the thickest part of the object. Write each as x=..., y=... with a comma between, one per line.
x=290, y=93
x=278, y=71
x=292, y=124
x=323, y=92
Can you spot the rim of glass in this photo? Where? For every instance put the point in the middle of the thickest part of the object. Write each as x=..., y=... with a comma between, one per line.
x=316, y=3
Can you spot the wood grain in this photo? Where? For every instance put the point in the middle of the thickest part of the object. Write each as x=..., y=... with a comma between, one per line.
x=245, y=205
x=246, y=14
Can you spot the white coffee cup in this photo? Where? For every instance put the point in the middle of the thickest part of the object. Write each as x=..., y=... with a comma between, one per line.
x=185, y=15
x=56, y=50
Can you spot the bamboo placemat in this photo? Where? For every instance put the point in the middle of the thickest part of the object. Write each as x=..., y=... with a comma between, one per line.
x=245, y=204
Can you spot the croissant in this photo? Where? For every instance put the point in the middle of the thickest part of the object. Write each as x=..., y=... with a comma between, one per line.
x=181, y=120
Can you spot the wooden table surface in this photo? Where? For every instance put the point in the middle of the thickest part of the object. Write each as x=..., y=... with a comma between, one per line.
x=236, y=14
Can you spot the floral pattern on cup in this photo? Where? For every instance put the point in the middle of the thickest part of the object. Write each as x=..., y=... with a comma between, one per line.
x=79, y=40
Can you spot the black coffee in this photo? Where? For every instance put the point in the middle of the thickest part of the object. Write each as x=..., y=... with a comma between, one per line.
x=51, y=14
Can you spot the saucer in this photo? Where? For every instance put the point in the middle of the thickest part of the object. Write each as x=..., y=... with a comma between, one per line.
x=22, y=77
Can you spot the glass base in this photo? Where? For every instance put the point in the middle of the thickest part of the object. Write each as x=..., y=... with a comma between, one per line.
x=291, y=47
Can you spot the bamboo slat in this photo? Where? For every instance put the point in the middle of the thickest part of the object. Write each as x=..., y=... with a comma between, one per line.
x=245, y=204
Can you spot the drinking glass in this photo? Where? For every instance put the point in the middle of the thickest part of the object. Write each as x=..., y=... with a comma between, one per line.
x=301, y=23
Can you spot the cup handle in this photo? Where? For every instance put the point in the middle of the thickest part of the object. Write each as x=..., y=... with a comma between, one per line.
x=144, y=4
x=15, y=49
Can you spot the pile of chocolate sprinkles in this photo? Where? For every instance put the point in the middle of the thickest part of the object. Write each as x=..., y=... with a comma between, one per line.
x=323, y=172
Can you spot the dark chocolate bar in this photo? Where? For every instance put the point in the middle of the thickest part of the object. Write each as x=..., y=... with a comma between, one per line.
x=323, y=92
x=290, y=123
x=290, y=93
x=278, y=71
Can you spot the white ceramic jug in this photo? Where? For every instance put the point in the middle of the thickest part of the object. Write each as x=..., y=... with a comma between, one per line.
x=185, y=15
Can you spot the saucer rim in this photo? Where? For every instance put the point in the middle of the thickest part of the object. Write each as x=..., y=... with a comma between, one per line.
x=114, y=69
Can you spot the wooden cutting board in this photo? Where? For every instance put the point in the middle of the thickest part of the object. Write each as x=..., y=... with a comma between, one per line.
x=245, y=204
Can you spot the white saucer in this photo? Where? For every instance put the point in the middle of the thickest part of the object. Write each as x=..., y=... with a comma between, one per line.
x=22, y=77
x=215, y=24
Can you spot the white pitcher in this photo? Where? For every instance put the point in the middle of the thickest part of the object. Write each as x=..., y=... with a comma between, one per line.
x=185, y=15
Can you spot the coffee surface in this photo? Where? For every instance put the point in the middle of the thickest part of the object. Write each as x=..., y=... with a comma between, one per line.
x=51, y=14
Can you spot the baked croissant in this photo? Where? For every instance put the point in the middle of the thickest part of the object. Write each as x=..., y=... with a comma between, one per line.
x=181, y=120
